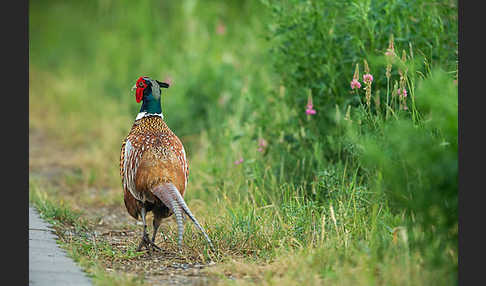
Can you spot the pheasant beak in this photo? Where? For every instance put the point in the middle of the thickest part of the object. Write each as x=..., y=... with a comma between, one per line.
x=134, y=87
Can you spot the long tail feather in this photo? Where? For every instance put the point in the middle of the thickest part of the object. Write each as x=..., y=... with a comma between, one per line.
x=171, y=197
x=180, y=223
x=186, y=209
x=166, y=195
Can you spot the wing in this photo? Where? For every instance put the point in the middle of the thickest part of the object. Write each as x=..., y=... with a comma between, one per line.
x=129, y=200
x=131, y=204
x=129, y=163
x=181, y=155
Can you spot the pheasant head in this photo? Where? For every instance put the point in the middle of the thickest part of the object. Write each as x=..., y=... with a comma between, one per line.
x=148, y=91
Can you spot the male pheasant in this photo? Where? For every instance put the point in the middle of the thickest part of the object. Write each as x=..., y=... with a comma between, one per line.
x=153, y=166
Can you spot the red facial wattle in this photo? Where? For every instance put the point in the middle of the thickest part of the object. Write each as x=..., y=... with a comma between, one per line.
x=141, y=85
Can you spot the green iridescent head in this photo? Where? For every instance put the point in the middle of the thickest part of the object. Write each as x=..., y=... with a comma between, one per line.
x=148, y=91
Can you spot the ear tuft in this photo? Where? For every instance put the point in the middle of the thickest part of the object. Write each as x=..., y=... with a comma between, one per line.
x=163, y=84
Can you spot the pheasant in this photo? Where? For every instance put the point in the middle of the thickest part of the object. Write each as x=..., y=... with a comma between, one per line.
x=153, y=166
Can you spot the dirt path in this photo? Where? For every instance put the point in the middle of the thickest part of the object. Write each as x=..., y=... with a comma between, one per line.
x=113, y=225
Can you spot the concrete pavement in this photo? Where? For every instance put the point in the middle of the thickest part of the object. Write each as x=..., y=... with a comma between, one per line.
x=48, y=263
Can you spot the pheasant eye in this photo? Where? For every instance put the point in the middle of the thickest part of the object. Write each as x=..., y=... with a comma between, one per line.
x=140, y=84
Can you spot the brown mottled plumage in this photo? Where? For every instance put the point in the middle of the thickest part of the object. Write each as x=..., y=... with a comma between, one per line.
x=153, y=166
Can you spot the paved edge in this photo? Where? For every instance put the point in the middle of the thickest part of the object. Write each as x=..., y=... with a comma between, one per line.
x=48, y=263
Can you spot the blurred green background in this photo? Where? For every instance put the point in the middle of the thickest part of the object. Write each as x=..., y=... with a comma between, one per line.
x=242, y=73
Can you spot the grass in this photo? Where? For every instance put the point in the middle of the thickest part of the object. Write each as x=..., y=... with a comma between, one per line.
x=53, y=212
x=76, y=237
x=356, y=194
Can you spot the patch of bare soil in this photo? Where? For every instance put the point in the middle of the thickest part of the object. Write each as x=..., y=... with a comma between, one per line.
x=112, y=224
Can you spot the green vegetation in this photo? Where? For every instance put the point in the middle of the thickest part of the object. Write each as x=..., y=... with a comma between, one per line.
x=362, y=192
x=77, y=239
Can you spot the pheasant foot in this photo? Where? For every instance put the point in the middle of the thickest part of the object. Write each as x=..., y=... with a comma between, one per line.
x=148, y=244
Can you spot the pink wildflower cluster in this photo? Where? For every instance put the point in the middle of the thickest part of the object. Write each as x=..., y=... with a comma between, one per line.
x=390, y=51
x=355, y=84
x=402, y=93
x=309, y=108
x=367, y=78
x=262, y=145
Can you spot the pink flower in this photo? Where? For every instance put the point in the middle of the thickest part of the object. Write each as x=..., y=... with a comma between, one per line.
x=355, y=84
x=220, y=29
x=310, y=111
x=237, y=162
x=402, y=93
x=262, y=143
x=368, y=78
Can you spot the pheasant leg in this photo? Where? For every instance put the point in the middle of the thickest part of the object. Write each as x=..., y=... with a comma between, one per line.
x=149, y=245
x=159, y=214
x=156, y=226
